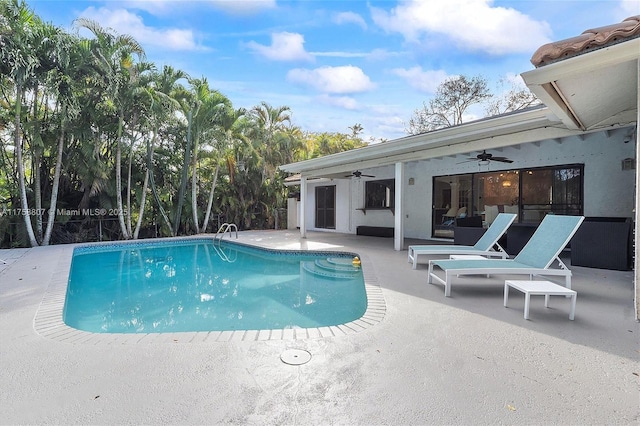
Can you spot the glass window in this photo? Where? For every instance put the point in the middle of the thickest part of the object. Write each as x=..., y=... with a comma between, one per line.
x=496, y=192
x=551, y=190
x=380, y=194
x=530, y=193
x=452, y=197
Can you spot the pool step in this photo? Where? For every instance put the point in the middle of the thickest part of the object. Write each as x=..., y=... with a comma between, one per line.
x=334, y=264
x=326, y=269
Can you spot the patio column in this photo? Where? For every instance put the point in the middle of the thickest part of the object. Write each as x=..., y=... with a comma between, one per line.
x=398, y=233
x=636, y=261
x=303, y=203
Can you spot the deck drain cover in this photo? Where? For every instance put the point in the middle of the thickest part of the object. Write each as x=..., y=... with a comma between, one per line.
x=295, y=356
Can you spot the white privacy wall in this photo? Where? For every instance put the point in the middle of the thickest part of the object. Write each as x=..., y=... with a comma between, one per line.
x=608, y=190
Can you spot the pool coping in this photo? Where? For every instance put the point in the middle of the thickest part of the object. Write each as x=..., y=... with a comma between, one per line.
x=48, y=320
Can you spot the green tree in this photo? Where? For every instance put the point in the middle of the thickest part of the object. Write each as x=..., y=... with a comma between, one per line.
x=62, y=81
x=224, y=136
x=113, y=60
x=514, y=98
x=72, y=107
x=164, y=92
x=19, y=62
x=268, y=122
x=211, y=107
x=452, y=99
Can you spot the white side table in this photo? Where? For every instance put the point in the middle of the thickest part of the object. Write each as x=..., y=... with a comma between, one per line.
x=539, y=288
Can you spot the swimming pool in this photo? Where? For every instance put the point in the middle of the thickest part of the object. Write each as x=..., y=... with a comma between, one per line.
x=196, y=285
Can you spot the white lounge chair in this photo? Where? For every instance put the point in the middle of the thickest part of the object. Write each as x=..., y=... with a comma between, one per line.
x=535, y=259
x=485, y=246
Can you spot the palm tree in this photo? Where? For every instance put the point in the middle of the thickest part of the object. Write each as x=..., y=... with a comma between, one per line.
x=164, y=92
x=210, y=107
x=356, y=129
x=188, y=107
x=113, y=59
x=290, y=144
x=224, y=136
x=270, y=121
x=139, y=128
x=63, y=78
x=18, y=61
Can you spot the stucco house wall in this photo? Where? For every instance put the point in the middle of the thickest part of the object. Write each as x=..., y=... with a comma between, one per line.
x=608, y=190
x=343, y=206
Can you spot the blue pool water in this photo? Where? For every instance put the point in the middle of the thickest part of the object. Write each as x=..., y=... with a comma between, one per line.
x=197, y=285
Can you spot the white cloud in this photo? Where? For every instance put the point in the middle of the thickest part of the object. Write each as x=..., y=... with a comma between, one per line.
x=424, y=81
x=350, y=18
x=627, y=8
x=345, y=102
x=232, y=7
x=338, y=80
x=125, y=22
x=284, y=47
x=473, y=24
x=374, y=55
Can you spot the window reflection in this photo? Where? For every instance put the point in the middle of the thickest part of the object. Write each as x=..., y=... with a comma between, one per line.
x=496, y=192
x=529, y=193
x=380, y=194
x=452, y=200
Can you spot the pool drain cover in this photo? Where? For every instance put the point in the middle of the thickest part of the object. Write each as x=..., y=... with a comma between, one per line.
x=295, y=356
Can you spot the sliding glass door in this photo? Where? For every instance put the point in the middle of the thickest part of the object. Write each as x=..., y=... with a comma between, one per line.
x=452, y=199
x=530, y=193
x=326, y=207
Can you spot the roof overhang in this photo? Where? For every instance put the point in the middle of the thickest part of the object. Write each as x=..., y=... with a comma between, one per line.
x=532, y=125
x=591, y=91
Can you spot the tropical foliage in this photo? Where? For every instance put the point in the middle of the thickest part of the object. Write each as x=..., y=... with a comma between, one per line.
x=98, y=143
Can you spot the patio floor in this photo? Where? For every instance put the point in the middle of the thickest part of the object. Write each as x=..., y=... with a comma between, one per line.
x=431, y=360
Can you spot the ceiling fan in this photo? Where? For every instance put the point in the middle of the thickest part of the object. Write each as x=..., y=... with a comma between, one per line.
x=357, y=174
x=486, y=157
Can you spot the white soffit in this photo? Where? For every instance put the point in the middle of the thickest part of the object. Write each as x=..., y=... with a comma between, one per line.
x=591, y=91
x=611, y=92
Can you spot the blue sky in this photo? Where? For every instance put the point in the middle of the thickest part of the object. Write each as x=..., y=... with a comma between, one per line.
x=336, y=63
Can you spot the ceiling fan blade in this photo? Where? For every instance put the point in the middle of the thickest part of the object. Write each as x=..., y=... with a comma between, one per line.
x=501, y=159
x=358, y=174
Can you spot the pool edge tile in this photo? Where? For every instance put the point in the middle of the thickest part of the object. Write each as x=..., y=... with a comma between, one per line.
x=48, y=322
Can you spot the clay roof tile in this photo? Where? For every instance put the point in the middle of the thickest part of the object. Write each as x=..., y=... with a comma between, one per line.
x=589, y=40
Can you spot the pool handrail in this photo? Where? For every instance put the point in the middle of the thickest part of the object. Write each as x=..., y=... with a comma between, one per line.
x=224, y=228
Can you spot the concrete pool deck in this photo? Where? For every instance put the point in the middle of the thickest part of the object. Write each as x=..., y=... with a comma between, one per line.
x=430, y=360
